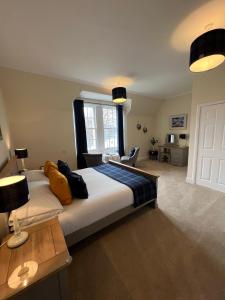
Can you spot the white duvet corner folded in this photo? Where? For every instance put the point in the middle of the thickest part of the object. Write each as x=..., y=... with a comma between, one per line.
x=42, y=205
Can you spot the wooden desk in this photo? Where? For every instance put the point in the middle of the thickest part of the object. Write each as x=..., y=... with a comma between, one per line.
x=46, y=255
x=175, y=155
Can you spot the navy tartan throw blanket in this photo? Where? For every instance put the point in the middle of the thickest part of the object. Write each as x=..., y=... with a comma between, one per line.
x=143, y=189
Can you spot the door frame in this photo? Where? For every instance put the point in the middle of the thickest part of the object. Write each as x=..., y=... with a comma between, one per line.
x=196, y=139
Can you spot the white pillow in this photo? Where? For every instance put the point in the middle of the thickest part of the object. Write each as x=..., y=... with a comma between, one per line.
x=43, y=204
x=35, y=175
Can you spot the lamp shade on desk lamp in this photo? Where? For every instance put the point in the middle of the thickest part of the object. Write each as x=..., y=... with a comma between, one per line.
x=13, y=194
x=21, y=153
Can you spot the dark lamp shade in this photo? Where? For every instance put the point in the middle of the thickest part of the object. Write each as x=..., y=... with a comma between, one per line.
x=21, y=153
x=208, y=51
x=119, y=95
x=13, y=192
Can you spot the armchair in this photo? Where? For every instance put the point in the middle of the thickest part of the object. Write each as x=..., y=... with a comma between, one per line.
x=131, y=158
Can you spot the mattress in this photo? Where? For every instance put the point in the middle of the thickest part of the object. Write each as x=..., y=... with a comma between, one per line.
x=106, y=196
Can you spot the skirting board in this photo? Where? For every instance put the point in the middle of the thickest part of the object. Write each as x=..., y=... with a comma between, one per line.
x=190, y=180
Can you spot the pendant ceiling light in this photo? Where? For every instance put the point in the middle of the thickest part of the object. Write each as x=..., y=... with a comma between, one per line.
x=119, y=95
x=208, y=51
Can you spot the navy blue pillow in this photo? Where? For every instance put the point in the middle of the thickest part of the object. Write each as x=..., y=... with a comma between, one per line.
x=132, y=151
x=77, y=185
x=63, y=168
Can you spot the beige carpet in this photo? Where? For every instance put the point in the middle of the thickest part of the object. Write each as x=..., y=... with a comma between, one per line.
x=176, y=252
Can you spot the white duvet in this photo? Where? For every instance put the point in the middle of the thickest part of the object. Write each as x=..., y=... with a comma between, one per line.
x=106, y=196
x=43, y=204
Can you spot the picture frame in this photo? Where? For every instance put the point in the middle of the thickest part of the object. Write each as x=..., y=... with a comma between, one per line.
x=178, y=121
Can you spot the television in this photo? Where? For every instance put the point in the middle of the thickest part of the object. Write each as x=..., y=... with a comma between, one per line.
x=171, y=139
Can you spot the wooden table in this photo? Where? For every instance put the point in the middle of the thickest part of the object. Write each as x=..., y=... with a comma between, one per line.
x=173, y=154
x=46, y=255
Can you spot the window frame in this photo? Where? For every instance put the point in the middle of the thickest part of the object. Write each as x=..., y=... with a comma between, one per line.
x=115, y=148
x=100, y=129
x=91, y=128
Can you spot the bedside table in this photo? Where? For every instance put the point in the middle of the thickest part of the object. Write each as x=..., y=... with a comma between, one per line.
x=46, y=255
x=153, y=154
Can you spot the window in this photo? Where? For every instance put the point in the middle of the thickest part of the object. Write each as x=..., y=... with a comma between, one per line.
x=110, y=127
x=91, y=128
x=101, y=127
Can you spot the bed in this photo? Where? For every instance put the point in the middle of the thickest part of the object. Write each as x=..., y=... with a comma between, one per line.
x=108, y=201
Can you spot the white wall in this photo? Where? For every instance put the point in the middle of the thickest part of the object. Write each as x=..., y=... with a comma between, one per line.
x=5, y=144
x=208, y=87
x=172, y=106
x=41, y=116
x=138, y=137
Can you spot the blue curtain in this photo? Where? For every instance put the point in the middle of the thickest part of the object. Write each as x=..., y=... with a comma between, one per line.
x=81, y=138
x=120, y=129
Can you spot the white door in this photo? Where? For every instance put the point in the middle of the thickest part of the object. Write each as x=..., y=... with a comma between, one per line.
x=211, y=147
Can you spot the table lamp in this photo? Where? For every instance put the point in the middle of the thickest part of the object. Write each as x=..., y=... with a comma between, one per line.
x=21, y=153
x=13, y=194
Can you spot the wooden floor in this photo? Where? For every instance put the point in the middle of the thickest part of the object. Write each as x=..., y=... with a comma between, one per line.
x=174, y=252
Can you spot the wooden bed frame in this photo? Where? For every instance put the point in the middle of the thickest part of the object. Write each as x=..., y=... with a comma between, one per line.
x=87, y=231
x=11, y=169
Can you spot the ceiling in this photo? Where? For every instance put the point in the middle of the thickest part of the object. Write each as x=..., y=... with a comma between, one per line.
x=143, y=45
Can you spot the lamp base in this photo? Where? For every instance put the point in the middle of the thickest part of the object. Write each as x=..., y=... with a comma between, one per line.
x=17, y=239
x=22, y=171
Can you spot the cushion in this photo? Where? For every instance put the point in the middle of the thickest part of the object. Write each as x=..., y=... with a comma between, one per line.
x=77, y=186
x=35, y=175
x=132, y=151
x=125, y=158
x=59, y=186
x=49, y=164
x=63, y=167
x=43, y=204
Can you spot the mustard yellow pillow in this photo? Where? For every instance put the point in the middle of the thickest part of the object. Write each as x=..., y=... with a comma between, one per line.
x=46, y=167
x=59, y=186
x=49, y=164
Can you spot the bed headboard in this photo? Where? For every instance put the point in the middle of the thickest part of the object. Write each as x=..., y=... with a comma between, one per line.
x=10, y=168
